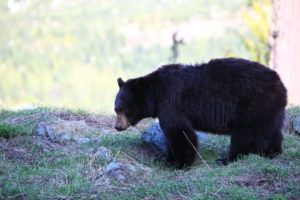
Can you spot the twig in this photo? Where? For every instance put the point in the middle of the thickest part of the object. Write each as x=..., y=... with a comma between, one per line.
x=16, y=195
x=196, y=150
x=134, y=161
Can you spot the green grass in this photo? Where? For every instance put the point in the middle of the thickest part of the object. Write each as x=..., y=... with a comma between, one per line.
x=293, y=110
x=7, y=131
x=67, y=172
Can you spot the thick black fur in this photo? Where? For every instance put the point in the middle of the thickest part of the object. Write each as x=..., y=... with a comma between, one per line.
x=229, y=96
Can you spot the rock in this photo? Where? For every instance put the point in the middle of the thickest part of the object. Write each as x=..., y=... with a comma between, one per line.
x=51, y=134
x=102, y=154
x=154, y=135
x=43, y=130
x=296, y=124
x=63, y=131
x=40, y=130
x=80, y=140
x=65, y=138
x=122, y=172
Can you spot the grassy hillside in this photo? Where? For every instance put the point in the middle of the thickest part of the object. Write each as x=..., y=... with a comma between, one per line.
x=37, y=168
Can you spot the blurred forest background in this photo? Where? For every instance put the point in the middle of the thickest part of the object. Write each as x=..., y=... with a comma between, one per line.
x=69, y=53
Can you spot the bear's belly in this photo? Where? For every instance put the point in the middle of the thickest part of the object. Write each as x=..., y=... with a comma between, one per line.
x=224, y=128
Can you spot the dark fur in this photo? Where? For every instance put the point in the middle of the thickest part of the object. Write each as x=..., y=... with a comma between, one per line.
x=229, y=96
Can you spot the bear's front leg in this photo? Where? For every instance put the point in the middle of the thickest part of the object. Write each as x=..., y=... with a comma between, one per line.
x=182, y=144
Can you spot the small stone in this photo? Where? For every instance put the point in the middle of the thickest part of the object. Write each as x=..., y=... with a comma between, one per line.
x=40, y=130
x=81, y=140
x=103, y=154
x=65, y=138
x=122, y=171
x=50, y=134
x=46, y=150
x=113, y=167
x=121, y=177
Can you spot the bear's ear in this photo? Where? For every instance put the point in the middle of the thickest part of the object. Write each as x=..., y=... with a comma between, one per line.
x=120, y=82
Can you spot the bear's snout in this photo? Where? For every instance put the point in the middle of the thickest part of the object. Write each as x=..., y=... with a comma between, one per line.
x=118, y=127
x=121, y=123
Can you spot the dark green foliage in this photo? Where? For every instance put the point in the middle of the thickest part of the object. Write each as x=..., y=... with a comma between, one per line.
x=8, y=131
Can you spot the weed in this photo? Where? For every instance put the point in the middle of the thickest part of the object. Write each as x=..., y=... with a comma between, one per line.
x=8, y=131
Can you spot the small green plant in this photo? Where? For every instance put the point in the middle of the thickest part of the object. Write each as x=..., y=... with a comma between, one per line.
x=8, y=131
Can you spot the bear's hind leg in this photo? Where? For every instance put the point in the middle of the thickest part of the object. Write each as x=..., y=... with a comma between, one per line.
x=275, y=145
x=241, y=143
x=275, y=138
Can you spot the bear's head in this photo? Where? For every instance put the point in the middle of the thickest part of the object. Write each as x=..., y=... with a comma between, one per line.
x=126, y=105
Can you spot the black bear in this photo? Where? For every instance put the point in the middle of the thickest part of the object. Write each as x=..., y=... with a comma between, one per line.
x=228, y=96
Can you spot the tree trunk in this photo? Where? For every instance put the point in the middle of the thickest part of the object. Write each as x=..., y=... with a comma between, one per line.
x=285, y=45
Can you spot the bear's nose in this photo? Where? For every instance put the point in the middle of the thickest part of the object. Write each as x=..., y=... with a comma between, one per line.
x=118, y=127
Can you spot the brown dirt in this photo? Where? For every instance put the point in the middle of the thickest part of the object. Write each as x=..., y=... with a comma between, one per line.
x=252, y=181
x=19, y=154
x=102, y=122
x=12, y=150
x=267, y=183
x=27, y=149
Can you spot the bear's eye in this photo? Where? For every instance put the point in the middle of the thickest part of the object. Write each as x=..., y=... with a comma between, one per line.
x=119, y=110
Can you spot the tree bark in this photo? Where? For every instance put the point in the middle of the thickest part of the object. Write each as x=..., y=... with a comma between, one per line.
x=285, y=45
